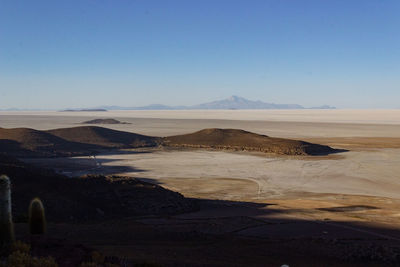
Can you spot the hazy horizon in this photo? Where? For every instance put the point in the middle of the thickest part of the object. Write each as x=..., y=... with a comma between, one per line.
x=85, y=54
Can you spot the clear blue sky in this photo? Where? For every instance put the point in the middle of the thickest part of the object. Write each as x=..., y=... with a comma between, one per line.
x=58, y=54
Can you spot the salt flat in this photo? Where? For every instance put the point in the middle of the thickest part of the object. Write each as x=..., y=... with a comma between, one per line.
x=279, y=123
x=369, y=116
x=369, y=173
x=302, y=186
x=366, y=175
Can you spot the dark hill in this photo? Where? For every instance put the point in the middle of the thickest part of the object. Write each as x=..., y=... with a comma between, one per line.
x=104, y=137
x=85, y=140
x=22, y=142
x=242, y=140
x=104, y=121
x=87, y=198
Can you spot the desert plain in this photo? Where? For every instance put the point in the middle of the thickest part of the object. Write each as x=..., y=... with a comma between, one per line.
x=351, y=195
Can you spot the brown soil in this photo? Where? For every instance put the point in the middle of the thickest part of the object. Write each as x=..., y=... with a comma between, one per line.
x=234, y=139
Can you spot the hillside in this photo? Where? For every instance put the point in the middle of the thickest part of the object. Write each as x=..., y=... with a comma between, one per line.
x=87, y=198
x=104, y=137
x=21, y=142
x=234, y=139
x=85, y=140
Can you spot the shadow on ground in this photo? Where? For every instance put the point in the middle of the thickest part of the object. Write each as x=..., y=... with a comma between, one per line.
x=77, y=166
x=228, y=233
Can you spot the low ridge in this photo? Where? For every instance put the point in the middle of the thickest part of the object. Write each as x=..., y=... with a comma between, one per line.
x=86, y=140
x=23, y=142
x=104, y=137
x=242, y=140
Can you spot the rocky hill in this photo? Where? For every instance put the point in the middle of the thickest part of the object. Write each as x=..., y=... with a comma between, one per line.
x=25, y=142
x=234, y=139
x=84, y=140
x=87, y=140
x=104, y=137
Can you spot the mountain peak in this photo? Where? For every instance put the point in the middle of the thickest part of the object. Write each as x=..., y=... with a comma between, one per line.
x=235, y=98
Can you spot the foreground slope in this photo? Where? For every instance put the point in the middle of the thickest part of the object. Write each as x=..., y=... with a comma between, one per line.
x=89, y=197
x=242, y=140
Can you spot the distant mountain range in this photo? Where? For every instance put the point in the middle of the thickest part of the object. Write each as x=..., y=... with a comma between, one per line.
x=84, y=110
x=233, y=102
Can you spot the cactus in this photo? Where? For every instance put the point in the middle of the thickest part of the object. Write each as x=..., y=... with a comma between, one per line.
x=6, y=225
x=37, y=218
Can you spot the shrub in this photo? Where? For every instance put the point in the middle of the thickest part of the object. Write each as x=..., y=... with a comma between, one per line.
x=21, y=247
x=22, y=259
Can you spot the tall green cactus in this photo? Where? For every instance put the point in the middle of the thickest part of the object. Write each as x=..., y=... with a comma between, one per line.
x=37, y=218
x=6, y=225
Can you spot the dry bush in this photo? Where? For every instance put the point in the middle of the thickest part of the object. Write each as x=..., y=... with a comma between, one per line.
x=20, y=259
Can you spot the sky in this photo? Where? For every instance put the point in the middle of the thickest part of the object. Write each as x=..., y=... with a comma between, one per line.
x=88, y=53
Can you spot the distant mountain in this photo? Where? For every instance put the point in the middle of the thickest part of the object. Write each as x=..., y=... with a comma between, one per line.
x=84, y=110
x=148, y=107
x=324, y=107
x=233, y=102
x=160, y=107
x=236, y=102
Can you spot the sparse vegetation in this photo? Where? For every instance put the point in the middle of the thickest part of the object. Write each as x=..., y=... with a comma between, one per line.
x=98, y=260
x=21, y=247
x=20, y=257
